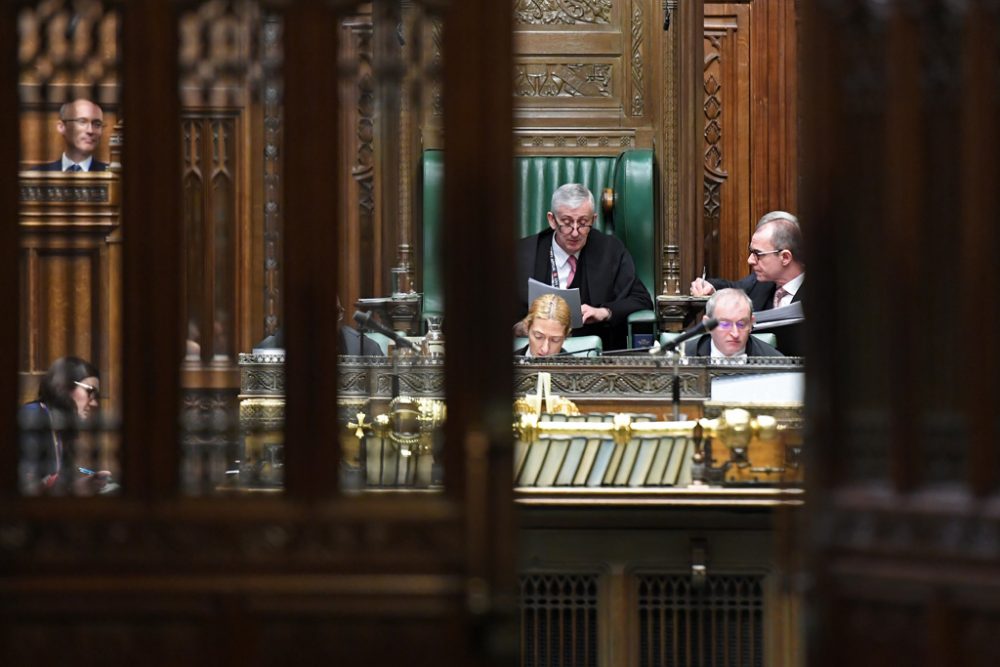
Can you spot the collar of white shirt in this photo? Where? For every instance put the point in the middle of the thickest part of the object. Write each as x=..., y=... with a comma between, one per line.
x=717, y=353
x=791, y=287
x=85, y=165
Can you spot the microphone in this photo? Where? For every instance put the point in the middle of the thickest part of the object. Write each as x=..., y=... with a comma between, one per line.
x=702, y=327
x=365, y=321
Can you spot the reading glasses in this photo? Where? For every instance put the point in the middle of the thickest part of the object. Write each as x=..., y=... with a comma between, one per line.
x=760, y=253
x=740, y=325
x=84, y=122
x=582, y=225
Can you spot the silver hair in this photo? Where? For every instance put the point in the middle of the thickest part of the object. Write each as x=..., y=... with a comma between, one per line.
x=571, y=195
x=728, y=293
x=785, y=232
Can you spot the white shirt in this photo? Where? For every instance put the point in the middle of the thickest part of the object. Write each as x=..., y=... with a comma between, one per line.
x=717, y=353
x=791, y=287
x=562, y=263
x=85, y=165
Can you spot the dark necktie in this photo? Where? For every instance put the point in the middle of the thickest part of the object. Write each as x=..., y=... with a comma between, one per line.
x=75, y=167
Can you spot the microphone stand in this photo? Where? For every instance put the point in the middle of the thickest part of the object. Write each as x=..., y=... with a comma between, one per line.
x=675, y=384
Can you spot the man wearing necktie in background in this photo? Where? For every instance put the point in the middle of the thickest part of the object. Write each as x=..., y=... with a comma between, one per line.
x=778, y=277
x=81, y=124
x=571, y=253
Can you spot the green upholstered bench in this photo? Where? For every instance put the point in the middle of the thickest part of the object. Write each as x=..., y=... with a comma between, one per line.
x=632, y=219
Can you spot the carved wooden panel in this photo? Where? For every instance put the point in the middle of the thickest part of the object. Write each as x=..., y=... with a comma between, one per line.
x=749, y=87
x=583, y=63
x=210, y=170
x=727, y=159
x=905, y=436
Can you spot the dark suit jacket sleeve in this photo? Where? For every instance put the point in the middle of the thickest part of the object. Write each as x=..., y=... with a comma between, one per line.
x=760, y=293
x=55, y=165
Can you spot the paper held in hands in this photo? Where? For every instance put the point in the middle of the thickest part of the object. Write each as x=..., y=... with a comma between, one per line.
x=571, y=296
x=779, y=317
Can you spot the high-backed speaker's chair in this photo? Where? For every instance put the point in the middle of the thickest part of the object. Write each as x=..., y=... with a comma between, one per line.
x=631, y=217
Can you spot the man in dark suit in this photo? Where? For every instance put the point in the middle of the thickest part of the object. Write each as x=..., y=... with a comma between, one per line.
x=81, y=124
x=731, y=337
x=571, y=253
x=778, y=277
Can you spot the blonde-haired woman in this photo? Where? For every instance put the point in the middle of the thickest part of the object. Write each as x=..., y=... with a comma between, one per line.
x=547, y=324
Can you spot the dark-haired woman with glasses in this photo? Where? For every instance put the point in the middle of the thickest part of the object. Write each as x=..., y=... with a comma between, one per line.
x=68, y=398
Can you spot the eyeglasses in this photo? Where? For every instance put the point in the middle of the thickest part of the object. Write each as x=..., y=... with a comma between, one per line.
x=84, y=122
x=582, y=225
x=760, y=253
x=92, y=391
x=740, y=325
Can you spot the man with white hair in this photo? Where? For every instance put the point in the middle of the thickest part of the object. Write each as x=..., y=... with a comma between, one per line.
x=571, y=253
x=731, y=337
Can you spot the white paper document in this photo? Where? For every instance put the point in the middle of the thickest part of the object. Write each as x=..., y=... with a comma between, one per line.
x=779, y=317
x=570, y=296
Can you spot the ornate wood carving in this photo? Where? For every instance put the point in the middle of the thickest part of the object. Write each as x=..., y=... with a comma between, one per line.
x=638, y=82
x=714, y=173
x=563, y=80
x=543, y=142
x=68, y=49
x=564, y=12
x=271, y=59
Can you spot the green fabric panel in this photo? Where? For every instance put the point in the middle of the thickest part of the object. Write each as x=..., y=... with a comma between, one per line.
x=538, y=178
x=433, y=189
x=633, y=212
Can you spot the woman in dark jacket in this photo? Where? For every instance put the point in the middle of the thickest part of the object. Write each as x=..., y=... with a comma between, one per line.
x=50, y=426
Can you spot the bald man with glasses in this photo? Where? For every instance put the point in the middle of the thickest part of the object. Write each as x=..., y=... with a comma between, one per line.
x=81, y=124
x=572, y=254
x=779, y=273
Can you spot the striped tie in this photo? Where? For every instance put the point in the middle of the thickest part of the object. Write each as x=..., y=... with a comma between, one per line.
x=572, y=270
x=779, y=294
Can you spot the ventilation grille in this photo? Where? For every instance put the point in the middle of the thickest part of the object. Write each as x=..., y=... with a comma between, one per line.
x=559, y=620
x=719, y=624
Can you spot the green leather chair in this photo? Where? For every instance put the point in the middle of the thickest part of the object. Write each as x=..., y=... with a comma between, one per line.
x=577, y=346
x=632, y=219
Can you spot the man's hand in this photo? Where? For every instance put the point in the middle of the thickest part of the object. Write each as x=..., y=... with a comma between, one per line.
x=701, y=287
x=591, y=314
